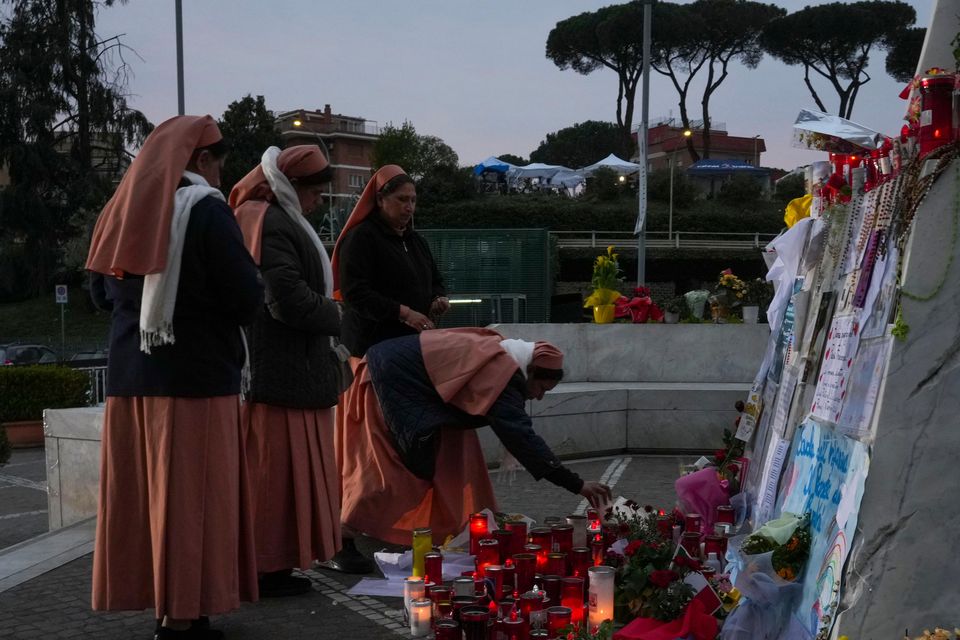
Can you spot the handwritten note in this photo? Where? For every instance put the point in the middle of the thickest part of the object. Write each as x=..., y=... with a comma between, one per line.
x=839, y=351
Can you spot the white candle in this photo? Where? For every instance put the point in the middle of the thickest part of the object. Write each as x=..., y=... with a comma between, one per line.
x=601, y=594
x=420, y=617
x=412, y=590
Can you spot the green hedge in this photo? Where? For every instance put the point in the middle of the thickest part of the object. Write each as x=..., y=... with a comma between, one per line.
x=26, y=391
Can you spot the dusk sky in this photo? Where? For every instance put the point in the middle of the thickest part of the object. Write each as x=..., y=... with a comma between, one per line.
x=472, y=73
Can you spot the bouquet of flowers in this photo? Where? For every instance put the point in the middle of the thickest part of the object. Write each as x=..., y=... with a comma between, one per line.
x=729, y=290
x=639, y=309
x=606, y=280
x=789, y=540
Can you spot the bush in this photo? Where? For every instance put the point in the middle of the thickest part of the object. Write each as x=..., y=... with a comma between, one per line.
x=604, y=184
x=658, y=188
x=26, y=391
x=790, y=187
x=740, y=189
x=4, y=446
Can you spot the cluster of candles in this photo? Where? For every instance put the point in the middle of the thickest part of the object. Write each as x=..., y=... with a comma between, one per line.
x=529, y=582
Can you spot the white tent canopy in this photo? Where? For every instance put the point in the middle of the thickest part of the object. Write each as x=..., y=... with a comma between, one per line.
x=613, y=162
x=536, y=170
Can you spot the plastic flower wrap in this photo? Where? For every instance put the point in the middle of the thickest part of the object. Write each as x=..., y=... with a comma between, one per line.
x=730, y=290
x=606, y=280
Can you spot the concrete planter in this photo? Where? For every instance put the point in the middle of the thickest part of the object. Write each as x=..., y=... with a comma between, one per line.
x=24, y=434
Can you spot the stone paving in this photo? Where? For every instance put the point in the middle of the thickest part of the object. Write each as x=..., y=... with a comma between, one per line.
x=23, y=497
x=57, y=603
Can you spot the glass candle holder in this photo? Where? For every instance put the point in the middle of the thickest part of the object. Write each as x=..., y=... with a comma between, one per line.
x=489, y=554
x=473, y=621
x=580, y=559
x=412, y=590
x=551, y=584
x=504, y=607
x=494, y=574
x=665, y=526
x=504, y=539
x=690, y=541
x=601, y=595
x=936, y=112
x=447, y=629
x=708, y=572
x=463, y=586
x=571, y=596
x=433, y=567
x=422, y=544
x=519, y=531
x=556, y=564
x=526, y=564
x=557, y=619
x=715, y=544
x=420, y=611
x=725, y=513
x=441, y=597
x=693, y=522
x=540, y=552
x=549, y=521
x=478, y=531
x=460, y=602
x=579, y=524
x=513, y=627
x=542, y=536
x=561, y=536
x=597, y=549
x=531, y=602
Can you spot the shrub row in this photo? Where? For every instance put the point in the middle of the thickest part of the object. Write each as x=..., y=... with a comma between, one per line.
x=26, y=391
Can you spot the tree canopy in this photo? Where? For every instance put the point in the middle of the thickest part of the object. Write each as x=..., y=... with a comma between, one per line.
x=835, y=41
x=610, y=37
x=65, y=127
x=581, y=144
x=904, y=54
x=249, y=128
x=417, y=154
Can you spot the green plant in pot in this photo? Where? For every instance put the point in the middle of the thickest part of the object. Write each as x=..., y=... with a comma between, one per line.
x=673, y=309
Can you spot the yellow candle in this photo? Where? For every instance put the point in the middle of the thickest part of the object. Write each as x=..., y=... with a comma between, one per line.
x=422, y=543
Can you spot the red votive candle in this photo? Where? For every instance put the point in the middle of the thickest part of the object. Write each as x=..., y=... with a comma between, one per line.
x=526, y=564
x=513, y=627
x=562, y=537
x=542, y=536
x=433, y=567
x=665, y=527
x=725, y=513
x=488, y=554
x=459, y=602
x=571, y=596
x=504, y=538
x=580, y=560
x=530, y=602
x=541, y=554
x=494, y=572
x=714, y=544
x=557, y=619
x=610, y=535
x=557, y=564
x=690, y=541
x=708, y=572
x=693, y=522
x=936, y=117
x=551, y=584
x=447, y=629
x=478, y=531
x=597, y=549
x=509, y=576
x=473, y=621
x=519, y=531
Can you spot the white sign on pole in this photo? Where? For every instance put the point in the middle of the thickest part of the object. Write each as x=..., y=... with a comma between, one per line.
x=61, y=292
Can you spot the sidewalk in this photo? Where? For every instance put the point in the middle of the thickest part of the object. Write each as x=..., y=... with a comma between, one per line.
x=56, y=604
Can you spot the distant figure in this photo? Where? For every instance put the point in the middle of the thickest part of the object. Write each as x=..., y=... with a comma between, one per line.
x=411, y=457
x=174, y=523
x=294, y=385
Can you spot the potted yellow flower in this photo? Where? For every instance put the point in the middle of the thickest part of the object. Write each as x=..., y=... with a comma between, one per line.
x=606, y=278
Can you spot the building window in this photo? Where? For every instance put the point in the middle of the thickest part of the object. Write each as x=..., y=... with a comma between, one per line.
x=356, y=180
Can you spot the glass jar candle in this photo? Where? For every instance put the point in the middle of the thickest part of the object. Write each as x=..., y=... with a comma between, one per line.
x=526, y=564
x=530, y=603
x=493, y=573
x=551, y=584
x=540, y=552
x=420, y=611
x=509, y=576
x=433, y=567
x=441, y=597
x=580, y=559
x=422, y=544
x=597, y=549
x=579, y=524
x=557, y=619
x=665, y=526
x=693, y=522
x=478, y=531
x=504, y=539
x=473, y=621
x=513, y=627
x=542, y=536
x=412, y=590
x=561, y=536
x=459, y=602
x=601, y=596
x=725, y=513
x=936, y=112
x=715, y=544
x=556, y=564
x=489, y=553
x=463, y=586
x=447, y=629
x=571, y=596
x=690, y=541
x=519, y=531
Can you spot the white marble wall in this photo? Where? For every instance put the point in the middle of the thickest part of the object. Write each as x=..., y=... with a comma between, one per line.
x=903, y=572
x=72, y=445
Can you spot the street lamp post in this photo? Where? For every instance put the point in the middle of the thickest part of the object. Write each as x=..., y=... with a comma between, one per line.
x=756, y=158
x=673, y=161
x=641, y=227
x=179, y=18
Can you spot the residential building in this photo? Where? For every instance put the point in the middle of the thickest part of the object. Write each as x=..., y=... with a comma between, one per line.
x=349, y=142
x=666, y=140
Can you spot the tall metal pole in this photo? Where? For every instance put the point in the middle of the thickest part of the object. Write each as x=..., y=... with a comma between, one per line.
x=641, y=227
x=670, y=217
x=179, y=10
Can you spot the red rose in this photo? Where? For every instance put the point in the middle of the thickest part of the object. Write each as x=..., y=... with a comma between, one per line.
x=662, y=578
x=633, y=547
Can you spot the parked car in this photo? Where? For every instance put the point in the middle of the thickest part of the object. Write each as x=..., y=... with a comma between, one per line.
x=15, y=354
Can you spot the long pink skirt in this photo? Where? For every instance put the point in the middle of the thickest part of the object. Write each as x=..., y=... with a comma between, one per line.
x=174, y=523
x=296, y=485
x=381, y=497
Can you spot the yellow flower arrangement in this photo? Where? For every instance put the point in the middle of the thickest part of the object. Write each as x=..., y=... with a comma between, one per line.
x=606, y=279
